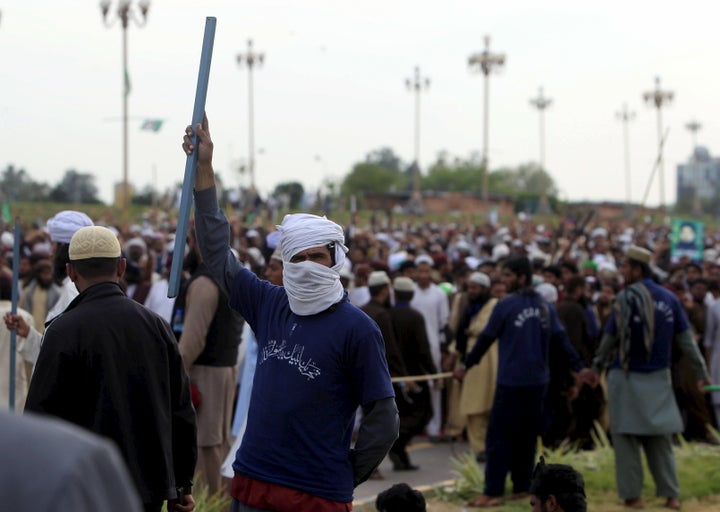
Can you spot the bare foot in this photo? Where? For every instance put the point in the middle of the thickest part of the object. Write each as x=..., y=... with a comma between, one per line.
x=485, y=501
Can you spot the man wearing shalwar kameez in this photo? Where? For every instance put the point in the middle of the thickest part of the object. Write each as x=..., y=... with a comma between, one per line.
x=637, y=348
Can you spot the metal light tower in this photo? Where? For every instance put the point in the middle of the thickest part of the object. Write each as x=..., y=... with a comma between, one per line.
x=541, y=103
x=125, y=13
x=694, y=127
x=625, y=116
x=486, y=61
x=417, y=84
x=250, y=58
x=658, y=98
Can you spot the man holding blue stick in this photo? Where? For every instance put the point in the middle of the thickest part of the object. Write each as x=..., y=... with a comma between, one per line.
x=319, y=359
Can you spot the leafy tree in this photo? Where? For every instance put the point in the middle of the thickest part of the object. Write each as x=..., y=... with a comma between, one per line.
x=385, y=157
x=373, y=178
x=75, y=187
x=146, y=196
x=527, y=178
x=293, y=192
x=456, y=176
x=382, y=171
x=17, y=185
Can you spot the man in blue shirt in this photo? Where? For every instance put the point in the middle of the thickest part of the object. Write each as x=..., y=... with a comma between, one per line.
x=525, y=325
x=637, y=348
x=319, y=359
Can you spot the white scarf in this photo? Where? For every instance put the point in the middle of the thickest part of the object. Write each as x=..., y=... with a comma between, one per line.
x=311, y=287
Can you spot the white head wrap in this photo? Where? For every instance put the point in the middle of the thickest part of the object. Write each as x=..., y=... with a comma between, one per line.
x=64, y=225
x=311, y=287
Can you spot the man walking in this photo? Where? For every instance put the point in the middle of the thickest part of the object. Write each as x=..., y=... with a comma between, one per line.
x=637, y=347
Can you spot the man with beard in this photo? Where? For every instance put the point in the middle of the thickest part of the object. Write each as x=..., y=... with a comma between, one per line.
x=61, y=228
x=319, y=359
x=41, y=293
x=478, y=386
x=525, y=325
x=415, y=407
x=573, y=411
x=637, y=346
x=433, y=304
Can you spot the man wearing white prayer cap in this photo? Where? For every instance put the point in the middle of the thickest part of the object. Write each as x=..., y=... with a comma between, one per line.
x=61, y=228
x=319, y=359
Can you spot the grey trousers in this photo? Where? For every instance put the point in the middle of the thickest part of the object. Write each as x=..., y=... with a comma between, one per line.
x=660, y=459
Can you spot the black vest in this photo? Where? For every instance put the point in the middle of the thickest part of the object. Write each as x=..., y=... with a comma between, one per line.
x=225, y=331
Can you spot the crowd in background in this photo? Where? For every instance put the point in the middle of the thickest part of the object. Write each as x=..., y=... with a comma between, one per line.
x=455, y=267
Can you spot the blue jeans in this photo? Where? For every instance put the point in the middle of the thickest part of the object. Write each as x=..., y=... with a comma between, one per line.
x=515, y=423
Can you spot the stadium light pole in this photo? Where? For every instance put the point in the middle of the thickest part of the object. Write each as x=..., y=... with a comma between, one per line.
x=541, y=103
x=125, y=13
x=417, y=84
x=658, y=98
x=486, y=62
x=625, y=116
x=251, y=58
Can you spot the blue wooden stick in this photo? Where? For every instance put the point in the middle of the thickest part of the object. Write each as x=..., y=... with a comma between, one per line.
x=13, y=310
x=191, y=163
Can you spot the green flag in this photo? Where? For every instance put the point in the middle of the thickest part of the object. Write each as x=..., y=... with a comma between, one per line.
x=127, y=83
x=6, y=216
x=152, y=125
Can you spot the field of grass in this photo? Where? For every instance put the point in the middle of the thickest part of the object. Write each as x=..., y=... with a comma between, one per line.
x=698, y=468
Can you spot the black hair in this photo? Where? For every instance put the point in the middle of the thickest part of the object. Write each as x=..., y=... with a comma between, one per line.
x=95, y=267
x=561, y=481
x=644, y=267
x=400, y=498
x=403, y=296
x=376, y=289
x=569, y=265
x=520, y=266
x=554, y=270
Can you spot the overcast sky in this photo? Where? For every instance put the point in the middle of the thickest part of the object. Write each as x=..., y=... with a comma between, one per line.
x=333, y=87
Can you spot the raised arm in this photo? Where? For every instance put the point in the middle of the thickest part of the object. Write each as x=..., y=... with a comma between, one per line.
x=211, y=226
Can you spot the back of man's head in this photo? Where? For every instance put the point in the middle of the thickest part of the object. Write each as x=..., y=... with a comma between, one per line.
x=400, y=498
x=562, y=482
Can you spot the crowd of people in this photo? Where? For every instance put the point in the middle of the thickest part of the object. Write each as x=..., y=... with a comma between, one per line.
x=550, y=331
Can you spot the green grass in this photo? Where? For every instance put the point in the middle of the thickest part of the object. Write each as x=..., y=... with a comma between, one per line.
x=698, y=469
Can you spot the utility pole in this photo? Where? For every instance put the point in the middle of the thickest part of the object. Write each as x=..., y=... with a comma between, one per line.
x=125, y=13
x=541, y=103
x=417, y=84
x=658, y=98
x=251, y=58
x=694, y=127
x=486, y=61
x=625, y=116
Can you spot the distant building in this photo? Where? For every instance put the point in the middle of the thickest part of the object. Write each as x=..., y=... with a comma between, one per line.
x=702, y=174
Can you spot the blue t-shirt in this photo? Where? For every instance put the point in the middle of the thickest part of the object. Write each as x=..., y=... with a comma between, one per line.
x=312, y=373
x=523, y=324
x=670, y=319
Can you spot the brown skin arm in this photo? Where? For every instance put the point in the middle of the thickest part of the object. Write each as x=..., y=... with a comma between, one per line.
x=204, y=177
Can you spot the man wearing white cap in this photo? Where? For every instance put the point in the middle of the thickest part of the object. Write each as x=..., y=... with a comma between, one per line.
x=470, y=313
x=320, y=358
x=61, y=228
x=433, y=303
x=112, y=366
